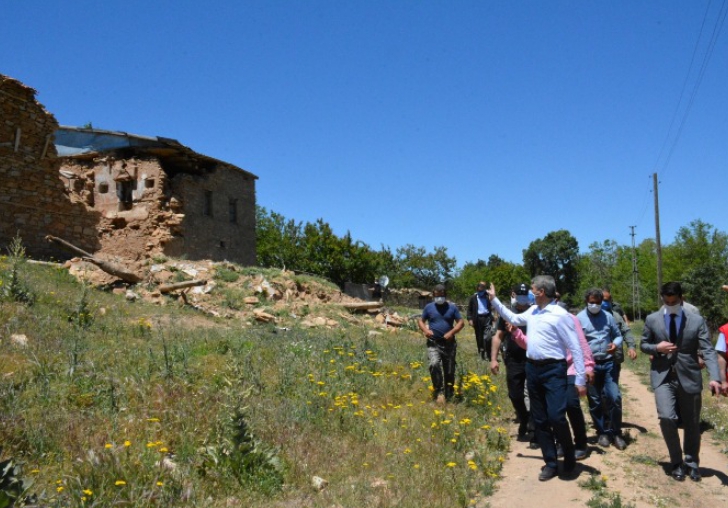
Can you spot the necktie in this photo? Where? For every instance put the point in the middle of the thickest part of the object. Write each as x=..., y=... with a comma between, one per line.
x=673, y=328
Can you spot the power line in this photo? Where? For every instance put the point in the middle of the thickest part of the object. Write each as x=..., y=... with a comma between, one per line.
x=717, y=28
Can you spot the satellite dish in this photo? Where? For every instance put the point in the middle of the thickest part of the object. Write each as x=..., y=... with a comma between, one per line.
x=384, y=281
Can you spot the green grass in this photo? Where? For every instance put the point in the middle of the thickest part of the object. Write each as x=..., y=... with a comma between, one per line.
x=114, y=402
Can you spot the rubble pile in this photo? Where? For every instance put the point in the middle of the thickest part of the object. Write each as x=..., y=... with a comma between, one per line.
x=225, y=290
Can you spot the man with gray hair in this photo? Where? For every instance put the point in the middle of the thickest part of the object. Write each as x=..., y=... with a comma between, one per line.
x=551, y=335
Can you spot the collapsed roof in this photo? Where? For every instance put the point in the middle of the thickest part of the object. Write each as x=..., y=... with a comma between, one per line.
x=82, y=143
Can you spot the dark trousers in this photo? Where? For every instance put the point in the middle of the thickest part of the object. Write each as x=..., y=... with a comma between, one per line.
x=442, y=367
x=483, y=336
x=547, y=391
x=516, y=379
x=605, y=392
x=575, y=414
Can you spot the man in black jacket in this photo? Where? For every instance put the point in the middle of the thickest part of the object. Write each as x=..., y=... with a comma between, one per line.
x=481, y=319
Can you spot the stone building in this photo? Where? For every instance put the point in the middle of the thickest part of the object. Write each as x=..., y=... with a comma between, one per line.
x=119, y=194
x=33, y=203
x=156, y=196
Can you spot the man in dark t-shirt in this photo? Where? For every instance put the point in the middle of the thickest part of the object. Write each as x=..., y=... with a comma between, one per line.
x=440, y=321
x=514, y=358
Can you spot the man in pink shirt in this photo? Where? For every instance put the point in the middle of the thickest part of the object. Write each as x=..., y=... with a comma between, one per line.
x=573, y=406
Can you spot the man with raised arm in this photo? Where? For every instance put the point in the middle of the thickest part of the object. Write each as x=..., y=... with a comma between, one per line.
x=551, y=333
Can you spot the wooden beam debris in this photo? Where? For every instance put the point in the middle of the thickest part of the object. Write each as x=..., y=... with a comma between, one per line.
x=167, y=288
x=108, y=267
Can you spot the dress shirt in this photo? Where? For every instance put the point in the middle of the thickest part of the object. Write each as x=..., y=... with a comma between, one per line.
x=482, y=305
x=678, y=320
x=522, y=340
x=600, y=330
x=551, y=334
x=720, y=345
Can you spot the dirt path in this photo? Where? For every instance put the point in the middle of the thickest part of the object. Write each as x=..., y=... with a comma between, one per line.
x=638, y=474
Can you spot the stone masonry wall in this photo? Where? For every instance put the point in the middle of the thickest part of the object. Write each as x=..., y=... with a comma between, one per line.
x=207, y=230
x=33, y=200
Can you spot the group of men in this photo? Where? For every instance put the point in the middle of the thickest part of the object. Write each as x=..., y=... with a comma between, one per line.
x=559, y=356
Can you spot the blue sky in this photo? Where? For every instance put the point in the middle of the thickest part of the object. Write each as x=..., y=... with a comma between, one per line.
x=477, y=125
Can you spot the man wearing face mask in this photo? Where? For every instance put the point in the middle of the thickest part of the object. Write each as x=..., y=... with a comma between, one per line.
x=604, y=339
x=673, y=338
x=551, y=335
x=440, y=321
x=514, y=358
x=481, y=319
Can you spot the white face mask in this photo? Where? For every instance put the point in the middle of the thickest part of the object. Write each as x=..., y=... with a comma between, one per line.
x=439, y=300
x=594, y=308
x=674, y=309
x=513, y=302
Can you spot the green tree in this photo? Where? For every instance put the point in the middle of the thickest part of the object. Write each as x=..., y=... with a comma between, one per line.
x=415, y=267
x=556, y=254
x=503, y=274
x=698, y=258
x=278, y=239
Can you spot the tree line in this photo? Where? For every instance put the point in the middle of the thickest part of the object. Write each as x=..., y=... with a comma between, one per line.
x=697, y=257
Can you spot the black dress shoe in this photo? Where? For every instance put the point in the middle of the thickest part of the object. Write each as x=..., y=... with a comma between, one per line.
x=678, y=472
x=694, y=474
x=547, y=472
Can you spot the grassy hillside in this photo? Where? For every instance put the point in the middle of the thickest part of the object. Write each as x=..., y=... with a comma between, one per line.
x=107, y=401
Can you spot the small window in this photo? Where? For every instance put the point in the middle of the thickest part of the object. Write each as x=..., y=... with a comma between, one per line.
x=103, y=187
x=207, y=210
x=222, y=244
x=149, y=184
x=233, y=210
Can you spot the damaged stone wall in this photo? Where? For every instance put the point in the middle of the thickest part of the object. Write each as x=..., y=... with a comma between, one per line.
x=219, y=215
x=33, y=201
x=144, y=211
x=128, y=195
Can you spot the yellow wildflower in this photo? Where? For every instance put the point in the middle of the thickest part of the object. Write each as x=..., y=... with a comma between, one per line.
x=119, y=483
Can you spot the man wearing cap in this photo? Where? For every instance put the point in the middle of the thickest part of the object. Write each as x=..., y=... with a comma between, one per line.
x=551, y=335
x=514, y=358
x=481, y=319
x=673, y=338
x=604, y=339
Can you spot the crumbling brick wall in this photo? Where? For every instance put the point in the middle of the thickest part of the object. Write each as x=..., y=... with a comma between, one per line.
x=33, y=201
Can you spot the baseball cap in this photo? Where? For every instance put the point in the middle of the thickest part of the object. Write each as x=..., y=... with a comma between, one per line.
x=522, y=289
x=522, y=295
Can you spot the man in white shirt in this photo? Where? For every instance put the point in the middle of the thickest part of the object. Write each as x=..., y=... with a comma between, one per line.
x=551, y=332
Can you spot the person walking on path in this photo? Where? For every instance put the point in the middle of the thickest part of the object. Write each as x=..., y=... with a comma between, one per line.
x=514, y=358
x=481, y=319
x=440, y=322
x=673, y=338
x=604, y=340
x=552, y=334
x=573, y=406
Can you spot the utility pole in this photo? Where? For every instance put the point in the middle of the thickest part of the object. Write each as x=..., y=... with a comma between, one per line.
x=636, y=311
x=657, y=237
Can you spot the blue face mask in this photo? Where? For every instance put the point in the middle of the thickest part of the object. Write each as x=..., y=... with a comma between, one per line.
x=606, y=306
x=481, y=293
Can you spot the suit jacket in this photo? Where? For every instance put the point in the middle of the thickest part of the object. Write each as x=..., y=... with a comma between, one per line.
x=693, y=336
x=473, y=308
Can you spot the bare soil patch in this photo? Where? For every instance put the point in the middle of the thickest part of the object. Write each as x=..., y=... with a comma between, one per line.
x=639, y=473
